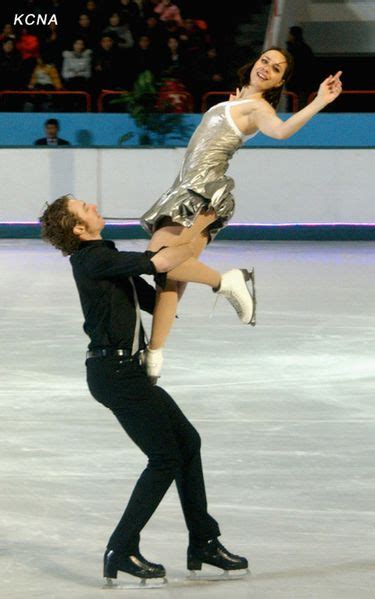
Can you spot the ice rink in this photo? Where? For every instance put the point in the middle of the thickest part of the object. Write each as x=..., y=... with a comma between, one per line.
x=286, y=412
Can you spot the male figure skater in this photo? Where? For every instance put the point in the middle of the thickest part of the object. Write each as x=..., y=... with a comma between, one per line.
x=112, y=294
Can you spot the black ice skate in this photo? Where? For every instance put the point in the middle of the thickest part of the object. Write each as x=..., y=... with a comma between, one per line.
x=233, y=287
x=215, y=554
x=134, y=564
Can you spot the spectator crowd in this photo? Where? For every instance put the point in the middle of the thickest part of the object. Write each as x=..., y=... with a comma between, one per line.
x=106, y=44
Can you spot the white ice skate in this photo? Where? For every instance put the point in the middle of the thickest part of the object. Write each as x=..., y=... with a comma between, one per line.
x=234, y=288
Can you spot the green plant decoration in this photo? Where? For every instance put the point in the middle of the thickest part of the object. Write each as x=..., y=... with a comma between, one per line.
x=149, y=114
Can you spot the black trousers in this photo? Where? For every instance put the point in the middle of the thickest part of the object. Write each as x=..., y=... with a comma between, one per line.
x=156, y=424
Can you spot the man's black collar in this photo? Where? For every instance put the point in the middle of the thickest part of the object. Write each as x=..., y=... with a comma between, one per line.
x=99, y=242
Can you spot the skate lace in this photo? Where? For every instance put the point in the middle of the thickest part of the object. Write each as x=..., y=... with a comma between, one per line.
x=214, y=306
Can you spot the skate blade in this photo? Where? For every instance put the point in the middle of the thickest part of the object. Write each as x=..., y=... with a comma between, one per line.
x=141, y=584
x=197, y=575
x=249, y=275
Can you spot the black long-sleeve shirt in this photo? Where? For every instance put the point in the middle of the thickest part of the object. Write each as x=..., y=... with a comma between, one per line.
x=106, y=280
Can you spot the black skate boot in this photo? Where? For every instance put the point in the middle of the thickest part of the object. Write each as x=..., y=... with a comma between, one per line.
x=215, y=554
x=134, y=564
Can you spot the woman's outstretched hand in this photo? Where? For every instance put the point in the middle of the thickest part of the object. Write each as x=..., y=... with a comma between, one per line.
x=330, y=88
x=236, y=95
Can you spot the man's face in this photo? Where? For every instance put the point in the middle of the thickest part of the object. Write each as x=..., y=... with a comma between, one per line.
x=106, y=43
x=51, y=131
x=92, y=222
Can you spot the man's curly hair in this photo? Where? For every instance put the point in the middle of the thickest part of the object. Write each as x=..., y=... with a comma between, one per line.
x=57, y=224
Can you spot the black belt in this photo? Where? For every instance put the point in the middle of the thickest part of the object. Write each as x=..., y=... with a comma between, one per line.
x=125, y=354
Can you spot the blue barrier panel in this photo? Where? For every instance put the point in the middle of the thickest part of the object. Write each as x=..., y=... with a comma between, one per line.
x=105, y=130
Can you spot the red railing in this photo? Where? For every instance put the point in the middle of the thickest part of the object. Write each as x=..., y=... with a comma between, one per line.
x=346, y=92
x=168, y=95
x=162, y=95
x=225, y=95
x=31, y=92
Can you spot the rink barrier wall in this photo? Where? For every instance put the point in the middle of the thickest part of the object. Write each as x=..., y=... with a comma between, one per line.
x=234, y=232
x=284, y=193
x=104, y=130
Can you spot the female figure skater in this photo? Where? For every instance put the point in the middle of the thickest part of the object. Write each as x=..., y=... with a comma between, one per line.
x=200, y=202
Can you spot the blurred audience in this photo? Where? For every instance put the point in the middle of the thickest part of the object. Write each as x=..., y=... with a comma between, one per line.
x=106, y=44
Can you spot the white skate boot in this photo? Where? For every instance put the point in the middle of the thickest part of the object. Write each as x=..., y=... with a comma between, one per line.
x=153, y=361
x=233, y=287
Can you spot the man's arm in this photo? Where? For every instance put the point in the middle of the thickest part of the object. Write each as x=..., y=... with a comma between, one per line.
x=146, y=295
x=110, y=264
x=168, y=258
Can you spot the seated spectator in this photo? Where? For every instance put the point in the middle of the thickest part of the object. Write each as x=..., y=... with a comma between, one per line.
x=174, y=63
x=168, y=11
x=7, y=32
x=45, y=76
x=29, y=47
x=76, y=68
x=193, y=38
x=148, y=8
x=95, y=13
x=204, y=75
x=156, y=32
x=107, y=65
x=86, y=31
x=11, y=72
x=171, y=29
x=51, y=45
x=51, y=139
x=121, y=33
x=129, y=13
x=144, y=57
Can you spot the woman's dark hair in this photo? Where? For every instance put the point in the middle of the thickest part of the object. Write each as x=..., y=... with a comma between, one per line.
x=57, y=224
x=271, y=95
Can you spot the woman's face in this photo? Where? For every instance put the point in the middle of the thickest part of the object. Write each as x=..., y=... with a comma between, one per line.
x=268, y=71
x=8, y=46
x=78, y=46
x=8, y=29
x=144, y=42
x=173, y=44
x=114, y=20
x=84, y=21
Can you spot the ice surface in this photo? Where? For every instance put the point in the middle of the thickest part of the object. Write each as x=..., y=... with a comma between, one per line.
x=286, y=412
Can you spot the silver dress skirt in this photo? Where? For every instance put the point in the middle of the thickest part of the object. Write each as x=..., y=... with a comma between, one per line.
x=202, y=183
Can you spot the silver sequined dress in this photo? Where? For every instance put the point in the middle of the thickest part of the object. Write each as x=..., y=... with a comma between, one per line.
x=202, y=181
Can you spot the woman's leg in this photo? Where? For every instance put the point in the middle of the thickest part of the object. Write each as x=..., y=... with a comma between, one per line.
x=167, y=299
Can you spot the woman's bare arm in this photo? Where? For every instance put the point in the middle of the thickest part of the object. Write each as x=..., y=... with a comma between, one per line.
x=271, y=125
